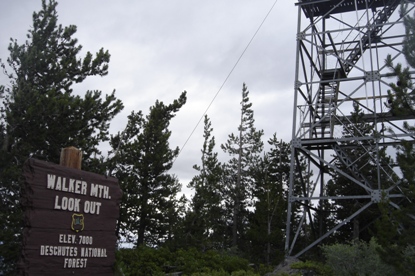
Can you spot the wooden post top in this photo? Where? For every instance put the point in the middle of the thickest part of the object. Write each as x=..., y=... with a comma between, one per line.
x=71, y=157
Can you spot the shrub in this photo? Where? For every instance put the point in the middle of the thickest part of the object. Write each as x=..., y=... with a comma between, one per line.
x=358, y=258
x=310, y=266
x=152, y=261
x=143, y=261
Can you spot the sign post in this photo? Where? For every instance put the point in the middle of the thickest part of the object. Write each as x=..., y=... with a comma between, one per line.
x=70, y=220
x=71, y=157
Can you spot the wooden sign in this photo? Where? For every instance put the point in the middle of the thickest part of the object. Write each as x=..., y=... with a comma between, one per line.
x=70, y=217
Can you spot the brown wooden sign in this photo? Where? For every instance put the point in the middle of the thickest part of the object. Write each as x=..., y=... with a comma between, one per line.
x=70, y=220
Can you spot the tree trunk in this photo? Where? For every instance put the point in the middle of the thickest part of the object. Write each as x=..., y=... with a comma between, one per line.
x=356, y=230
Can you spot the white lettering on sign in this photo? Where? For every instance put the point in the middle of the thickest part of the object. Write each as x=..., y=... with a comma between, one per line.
x=64, y=251
x=85, y=239
x=74, y=263
x=92, y=207
x=100, y=191
x=59, y=183
x=65, y=238
x=92, y=252
x=67, y=204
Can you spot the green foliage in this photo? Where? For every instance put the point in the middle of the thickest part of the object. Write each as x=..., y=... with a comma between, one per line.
x=397, y=225
x=244, y=273
x=143, y=261
x=211, y=273
x=314, y=267
x=204, y=223
x=409, y=39
x=401, y=257
x=244, y=149
x=39, y=114
x=151, y=261
x=267, y=221
x=396, y=237
x=358, y=258
x=409, y=259
x=192, y=260
x=355, y=152
x=401, y=97
x=224, y=273
x=141, y=160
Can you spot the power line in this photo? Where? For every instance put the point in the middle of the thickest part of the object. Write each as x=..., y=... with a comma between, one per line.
x=226, y=79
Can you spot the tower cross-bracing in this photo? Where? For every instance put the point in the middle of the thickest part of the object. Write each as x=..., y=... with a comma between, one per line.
x=341, y=50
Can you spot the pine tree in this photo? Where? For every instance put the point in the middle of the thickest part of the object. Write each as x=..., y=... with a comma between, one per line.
x=324, y=217
x=396, y=227
x=205, y=220
x=244, y=149
x=267, y=221
x=401, y=97
x=141, y=162
x=40, y=115
x=365, y=156
x=409, y=39
x=125, y=152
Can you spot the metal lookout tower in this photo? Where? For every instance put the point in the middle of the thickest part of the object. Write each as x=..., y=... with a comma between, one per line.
x=340, y=63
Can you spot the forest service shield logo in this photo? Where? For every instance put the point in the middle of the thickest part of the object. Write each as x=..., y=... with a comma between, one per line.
x=77, y=222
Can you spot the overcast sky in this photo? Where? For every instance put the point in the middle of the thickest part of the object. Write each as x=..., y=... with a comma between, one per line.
x=161, y=48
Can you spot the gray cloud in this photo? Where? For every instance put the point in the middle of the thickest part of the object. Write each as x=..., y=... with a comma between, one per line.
x=160, y=48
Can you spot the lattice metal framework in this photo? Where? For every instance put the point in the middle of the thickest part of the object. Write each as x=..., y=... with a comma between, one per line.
x=340, y=61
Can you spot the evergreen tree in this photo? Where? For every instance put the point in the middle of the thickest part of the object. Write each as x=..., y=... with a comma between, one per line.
x=396, y=226
x=300, y=213
x=40, y=115
x=401, y=97
x=267, y=221
x=141, y=162
x=324, y=217
x=244, y=149
x=205, y=220
x=125, y=152
x=409, y=39
x=364, y=155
